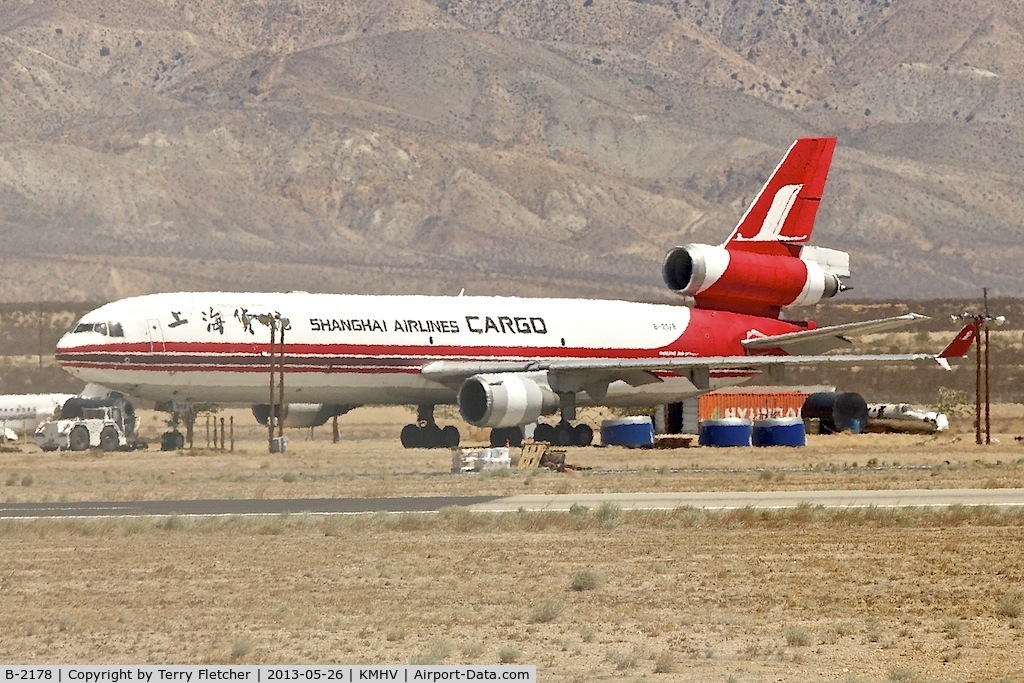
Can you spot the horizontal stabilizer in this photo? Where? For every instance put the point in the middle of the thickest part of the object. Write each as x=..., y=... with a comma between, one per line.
x=824, y=339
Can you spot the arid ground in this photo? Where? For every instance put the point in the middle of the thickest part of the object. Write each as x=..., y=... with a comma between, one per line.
x=594, y=594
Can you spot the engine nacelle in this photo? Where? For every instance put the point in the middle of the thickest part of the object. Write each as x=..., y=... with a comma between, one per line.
x=504, y=400
x=745, y=281
x=299, y=414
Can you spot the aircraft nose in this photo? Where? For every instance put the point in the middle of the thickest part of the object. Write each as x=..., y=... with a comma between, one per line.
x=63, y=345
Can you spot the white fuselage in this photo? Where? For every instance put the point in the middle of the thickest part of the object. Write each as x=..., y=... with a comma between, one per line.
x=22, y=413
x=364, y=350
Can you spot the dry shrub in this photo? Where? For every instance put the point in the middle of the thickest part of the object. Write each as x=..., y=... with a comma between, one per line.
x=546, y=611
x=1011, y=605
x=665, y=663
x=241, y=648
x=610, y=515
x=509, y=654
x=585, y=580
x=621, y=660
x=797, y=636
x=436, y=653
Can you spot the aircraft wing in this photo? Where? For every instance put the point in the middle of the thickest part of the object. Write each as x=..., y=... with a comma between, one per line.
x=828, y=338
x=638, y=371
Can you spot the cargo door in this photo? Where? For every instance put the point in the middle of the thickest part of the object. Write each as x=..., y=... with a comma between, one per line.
x=156, y=335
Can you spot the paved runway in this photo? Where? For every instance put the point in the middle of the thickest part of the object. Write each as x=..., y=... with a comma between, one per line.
x=222, y=508
x=906, y=498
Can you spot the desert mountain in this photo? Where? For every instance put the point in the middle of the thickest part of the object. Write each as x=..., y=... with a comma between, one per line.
x=503, y=147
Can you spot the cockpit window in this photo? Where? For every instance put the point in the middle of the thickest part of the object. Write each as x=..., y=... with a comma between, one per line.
x=106, y=329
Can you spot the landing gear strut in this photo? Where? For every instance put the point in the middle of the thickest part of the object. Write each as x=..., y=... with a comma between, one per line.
x=174, y=440
x=425, y=433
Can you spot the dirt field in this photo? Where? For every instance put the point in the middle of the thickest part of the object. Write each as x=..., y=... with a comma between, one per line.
x=600, y=594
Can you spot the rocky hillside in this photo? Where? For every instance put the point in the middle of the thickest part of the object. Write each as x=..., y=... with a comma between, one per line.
x=503, y=147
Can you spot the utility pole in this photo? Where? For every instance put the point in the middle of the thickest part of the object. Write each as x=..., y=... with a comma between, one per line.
x=270, y=417
x=988, y=386
x=280, y=384
x=982, y=322
x=276, y=369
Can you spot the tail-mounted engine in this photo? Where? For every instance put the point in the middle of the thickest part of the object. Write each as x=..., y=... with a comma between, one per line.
x=753, y=283
x=504, y=400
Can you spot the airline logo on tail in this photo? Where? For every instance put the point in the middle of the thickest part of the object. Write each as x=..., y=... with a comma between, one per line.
x=771, y=228
x=781, y=217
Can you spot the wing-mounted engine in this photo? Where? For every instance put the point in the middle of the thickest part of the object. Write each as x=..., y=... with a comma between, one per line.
x=300, y=414
x=504, y=400
x=749, y=282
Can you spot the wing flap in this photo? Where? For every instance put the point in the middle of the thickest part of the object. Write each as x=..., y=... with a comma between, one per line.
x=828, y=338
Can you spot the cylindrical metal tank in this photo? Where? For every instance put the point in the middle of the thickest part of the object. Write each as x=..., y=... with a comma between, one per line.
x=779, y=431
x=635, y=432
x=729, y=431
x=837, y=411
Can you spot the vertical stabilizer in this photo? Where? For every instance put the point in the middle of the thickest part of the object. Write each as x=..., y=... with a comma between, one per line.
x=781, y=218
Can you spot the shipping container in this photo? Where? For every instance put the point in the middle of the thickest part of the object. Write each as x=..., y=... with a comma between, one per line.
x=751, y=405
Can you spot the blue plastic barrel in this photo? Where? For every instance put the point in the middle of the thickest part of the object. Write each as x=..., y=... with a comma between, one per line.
x=729, y=431
x=634, y=432
x=779, y=431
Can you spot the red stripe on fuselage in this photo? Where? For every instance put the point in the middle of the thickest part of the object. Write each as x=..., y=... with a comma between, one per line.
x=709, y=333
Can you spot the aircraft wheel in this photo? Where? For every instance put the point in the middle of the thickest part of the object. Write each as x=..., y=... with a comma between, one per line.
x=78, y=439
x=544, y=432
x=512, y=436
x=108, y=439
x=564, y=434
x=584, y=435
x=411, y=436
x=172, y=441
x=450, y=437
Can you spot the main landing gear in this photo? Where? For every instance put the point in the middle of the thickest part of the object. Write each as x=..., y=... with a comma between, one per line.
x=562, y=434
x=425, y=433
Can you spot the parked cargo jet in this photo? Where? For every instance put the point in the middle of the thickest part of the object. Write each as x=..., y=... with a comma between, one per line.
x=505, y=361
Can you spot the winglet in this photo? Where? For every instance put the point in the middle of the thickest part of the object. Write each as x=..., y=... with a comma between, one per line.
x=960, y=346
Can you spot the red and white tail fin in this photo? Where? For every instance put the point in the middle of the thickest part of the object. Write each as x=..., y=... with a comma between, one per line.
x=781, y=218
x=960, y=346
